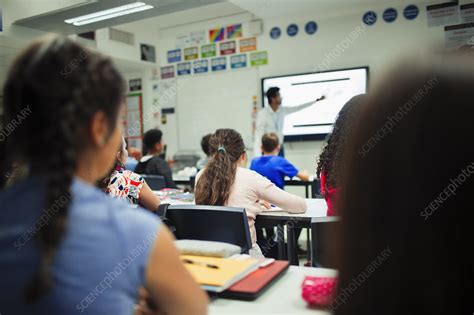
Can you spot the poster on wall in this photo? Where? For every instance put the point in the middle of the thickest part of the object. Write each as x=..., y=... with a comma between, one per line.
x=442, y=14
x=135, y=85
x=208, y=50
x=216, y=35
x=411, y=12
x=184, y=68
x=467, y=13
x=147, y=52
x=234, y=31
x=258, y=58
x=197, y=38
x=238, y=61
x=227, y=48
x=182, y=41
x=219, y=63
x=174, y=55
x=456, y=36
x=248, y=44
x=167, y=72
x=201, y=66
x=191, y=53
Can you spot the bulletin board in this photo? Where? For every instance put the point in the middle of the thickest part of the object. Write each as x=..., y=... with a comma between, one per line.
x=133, y=122
x=208, y=102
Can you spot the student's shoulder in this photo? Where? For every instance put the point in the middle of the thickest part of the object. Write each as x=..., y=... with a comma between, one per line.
x=250, y=176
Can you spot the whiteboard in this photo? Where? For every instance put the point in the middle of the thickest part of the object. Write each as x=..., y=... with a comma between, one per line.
x=207, y=102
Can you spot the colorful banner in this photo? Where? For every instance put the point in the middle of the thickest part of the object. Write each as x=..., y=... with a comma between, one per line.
x=184, y=68
x=201, y=66
x=259, y=58
x=248, y=44
x=191, y=53
x=219, y=64
x=167, y=72
x=216, y=35
x=234, y=31
x=238, y=61
x=208, y=50
x=227, y=48
x=174, y=55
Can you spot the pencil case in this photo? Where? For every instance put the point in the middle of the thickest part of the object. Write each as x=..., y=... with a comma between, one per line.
x=319, y=291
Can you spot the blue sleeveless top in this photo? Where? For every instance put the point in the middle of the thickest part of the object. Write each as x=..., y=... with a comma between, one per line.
x=100, y=263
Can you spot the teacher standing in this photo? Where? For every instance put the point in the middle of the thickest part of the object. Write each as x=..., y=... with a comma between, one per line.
x=271, y=118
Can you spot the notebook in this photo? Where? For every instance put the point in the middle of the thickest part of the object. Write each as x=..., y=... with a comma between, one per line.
x=218, y=274
x=252, y=286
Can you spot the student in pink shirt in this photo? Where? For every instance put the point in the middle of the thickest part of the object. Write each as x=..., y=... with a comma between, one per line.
x=226, y=182
x=330, y=161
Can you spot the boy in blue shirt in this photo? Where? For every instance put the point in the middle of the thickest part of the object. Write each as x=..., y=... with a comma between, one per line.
x=275, y=167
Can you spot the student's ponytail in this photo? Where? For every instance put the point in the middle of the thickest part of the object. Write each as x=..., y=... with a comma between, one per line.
x=213, y=188
x=52, y=91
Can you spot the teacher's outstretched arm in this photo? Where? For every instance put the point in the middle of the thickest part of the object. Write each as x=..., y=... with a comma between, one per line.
x=290, y=110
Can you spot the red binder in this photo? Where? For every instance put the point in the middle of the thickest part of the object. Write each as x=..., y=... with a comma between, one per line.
x=252, y=286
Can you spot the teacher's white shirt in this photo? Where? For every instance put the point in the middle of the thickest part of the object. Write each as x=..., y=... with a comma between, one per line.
x=271, y=121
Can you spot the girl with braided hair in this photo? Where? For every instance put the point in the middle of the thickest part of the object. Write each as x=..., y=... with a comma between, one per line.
x=66, y=247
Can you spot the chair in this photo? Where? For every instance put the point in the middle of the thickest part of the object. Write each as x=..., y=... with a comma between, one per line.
x=208, y=223
x=322, y=242
x=156, y=182
x=316, y=188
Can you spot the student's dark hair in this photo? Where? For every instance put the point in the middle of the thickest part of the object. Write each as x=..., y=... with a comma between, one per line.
x=56, y=86
x=271, y=93
x=213, y=187
x=270, y=142
x=205, y=144
x=150, y=139
x=331, y=158
x=406, y=203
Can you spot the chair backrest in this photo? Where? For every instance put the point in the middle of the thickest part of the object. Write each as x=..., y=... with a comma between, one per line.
x=323, y=234
x=210, y=223
x=156, y=182
x=316, y=188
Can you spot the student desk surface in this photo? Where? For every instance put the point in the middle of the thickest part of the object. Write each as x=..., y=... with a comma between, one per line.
x=283, y=297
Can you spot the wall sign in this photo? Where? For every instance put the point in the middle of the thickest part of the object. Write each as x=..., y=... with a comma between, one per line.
x=442, y=14
x=467, y=13
x=227, y=48
x=390, y=15
x=174, y=55
x=216, y=35
x=258, y=58
x=248, y=44
x=208, y=50
x=292, y=30
x=275, y=32
x=238, y=61
x=135, y=85
x=234, y=31
x=191, y=53
x=184, y=68
x=370, y=18
x=219, y=63
x=311, y=27
x=411, y=12
x=167, y=72
x=457, y=36
x=201, y=66
x=147, y=52
x=197, y=38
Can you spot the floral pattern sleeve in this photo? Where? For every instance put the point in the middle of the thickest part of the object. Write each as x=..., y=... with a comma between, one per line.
x=126, y=185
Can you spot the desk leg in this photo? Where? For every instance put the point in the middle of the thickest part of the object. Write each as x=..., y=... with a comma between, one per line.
x=308, y=244
x=281, y=242
x=292, y=255
x=306, y=187
x=313, y=246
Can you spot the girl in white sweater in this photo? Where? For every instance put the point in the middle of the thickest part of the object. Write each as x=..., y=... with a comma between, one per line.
x=226, y=182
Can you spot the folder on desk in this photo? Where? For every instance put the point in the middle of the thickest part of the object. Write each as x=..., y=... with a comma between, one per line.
x=220, y=273
x=256, y=283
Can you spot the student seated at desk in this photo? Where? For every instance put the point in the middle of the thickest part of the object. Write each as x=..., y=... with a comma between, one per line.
x=67, y=248
x=226, y=182
x=407, y=206
x=275, y=167
x=205, y=148
x=331, y=160
x=152, y=163
x=127, y=185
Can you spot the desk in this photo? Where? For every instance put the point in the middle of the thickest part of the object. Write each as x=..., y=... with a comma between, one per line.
x=284, y=297
x=316, y=212
x=298, y=182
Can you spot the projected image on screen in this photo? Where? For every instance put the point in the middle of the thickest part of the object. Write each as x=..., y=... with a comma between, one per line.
x=338, y=86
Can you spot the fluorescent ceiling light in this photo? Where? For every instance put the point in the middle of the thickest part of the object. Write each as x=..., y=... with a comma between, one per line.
x=109, y=13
